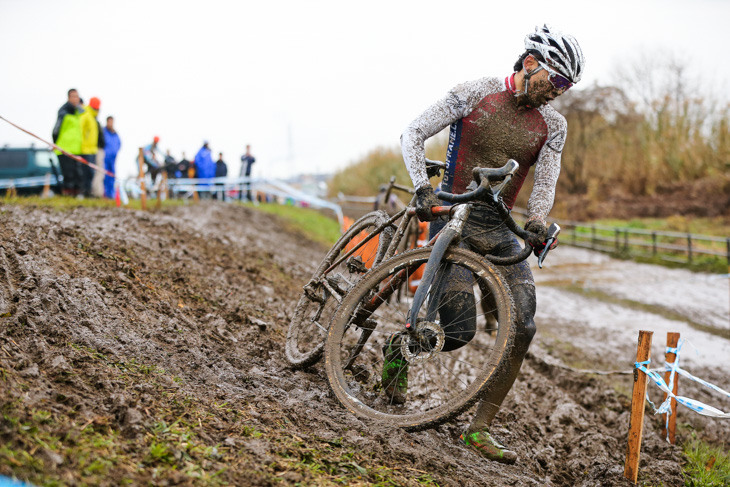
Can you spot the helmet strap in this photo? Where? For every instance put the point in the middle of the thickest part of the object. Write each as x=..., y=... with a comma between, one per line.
x=526, y=79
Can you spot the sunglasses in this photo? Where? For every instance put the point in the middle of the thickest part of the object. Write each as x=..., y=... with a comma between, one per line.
x=558, y=81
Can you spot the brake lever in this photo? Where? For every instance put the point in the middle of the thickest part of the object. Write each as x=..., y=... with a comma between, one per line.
x=553, y=233
x=505, y=181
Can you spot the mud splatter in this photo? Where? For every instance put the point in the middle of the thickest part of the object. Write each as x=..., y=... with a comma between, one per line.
x=145, y=329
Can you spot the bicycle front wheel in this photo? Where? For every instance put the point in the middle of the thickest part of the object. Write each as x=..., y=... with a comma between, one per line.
x=445, y=366
x=308, y=326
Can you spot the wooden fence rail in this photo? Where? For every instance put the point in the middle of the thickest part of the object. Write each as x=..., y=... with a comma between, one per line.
x=670, y=246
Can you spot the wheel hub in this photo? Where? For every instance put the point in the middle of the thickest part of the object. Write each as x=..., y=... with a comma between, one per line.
x=425, y=343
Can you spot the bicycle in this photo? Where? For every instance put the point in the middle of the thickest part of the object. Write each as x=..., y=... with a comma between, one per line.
x=343, y=265
x=442, y=383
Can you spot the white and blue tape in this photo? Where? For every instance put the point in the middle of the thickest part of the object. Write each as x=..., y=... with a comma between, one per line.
x=674, y=369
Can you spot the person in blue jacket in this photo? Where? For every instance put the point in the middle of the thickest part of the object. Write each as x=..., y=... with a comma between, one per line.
x=111, y=149
x=204, y=164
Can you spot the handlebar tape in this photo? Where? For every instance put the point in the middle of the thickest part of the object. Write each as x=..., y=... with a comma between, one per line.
x=478, y=193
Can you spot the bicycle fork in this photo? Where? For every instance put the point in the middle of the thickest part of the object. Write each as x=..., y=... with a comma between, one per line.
x=450, y=234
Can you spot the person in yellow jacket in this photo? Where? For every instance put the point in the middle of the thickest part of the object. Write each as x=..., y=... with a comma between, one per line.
x=67, y=136
x=90, y=141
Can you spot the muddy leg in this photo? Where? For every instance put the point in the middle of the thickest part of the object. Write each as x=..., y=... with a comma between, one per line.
x=504, y=377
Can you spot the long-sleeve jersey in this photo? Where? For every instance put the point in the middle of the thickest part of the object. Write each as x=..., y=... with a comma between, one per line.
x=488, y=128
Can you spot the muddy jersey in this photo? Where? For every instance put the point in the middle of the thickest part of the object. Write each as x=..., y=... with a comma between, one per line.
x=487, y=129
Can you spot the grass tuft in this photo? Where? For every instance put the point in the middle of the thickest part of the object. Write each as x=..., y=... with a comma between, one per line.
x=707, y=466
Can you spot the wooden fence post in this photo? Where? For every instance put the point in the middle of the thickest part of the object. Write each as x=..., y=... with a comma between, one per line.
x=161, y=189
x=593, y=237
x=689, y=248
x=672, y=341
x=143, y=196
x=636, y=423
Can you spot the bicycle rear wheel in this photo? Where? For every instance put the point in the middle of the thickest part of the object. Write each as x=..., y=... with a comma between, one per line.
x=308, y=326
x=447, y=370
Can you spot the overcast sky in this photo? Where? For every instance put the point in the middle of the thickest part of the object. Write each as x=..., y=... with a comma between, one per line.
x=310, y=85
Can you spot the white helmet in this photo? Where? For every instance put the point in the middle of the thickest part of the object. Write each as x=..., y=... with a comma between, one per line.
x=560, y=51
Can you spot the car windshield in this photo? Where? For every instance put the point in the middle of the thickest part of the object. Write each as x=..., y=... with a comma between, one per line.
x=44, y=158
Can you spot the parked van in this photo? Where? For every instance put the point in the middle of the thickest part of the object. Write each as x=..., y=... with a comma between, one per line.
x=28, y=162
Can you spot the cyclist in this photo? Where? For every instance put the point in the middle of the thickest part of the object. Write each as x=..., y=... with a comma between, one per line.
x=493, y=120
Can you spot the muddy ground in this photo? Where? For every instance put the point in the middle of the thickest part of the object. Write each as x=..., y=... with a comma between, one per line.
x=148, y=348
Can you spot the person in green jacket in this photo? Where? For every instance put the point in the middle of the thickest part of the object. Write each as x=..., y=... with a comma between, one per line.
x=90, y=142
x=67, y=136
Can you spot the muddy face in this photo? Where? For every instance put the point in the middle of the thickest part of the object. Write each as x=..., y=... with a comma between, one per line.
x=539, y=93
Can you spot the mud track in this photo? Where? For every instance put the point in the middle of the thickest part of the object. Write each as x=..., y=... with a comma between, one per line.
x=160, y=337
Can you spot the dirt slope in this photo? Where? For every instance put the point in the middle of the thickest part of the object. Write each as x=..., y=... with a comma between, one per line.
x=148, y=347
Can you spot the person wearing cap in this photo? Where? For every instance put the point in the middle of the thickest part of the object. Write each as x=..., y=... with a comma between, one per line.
x=91, y=141
x=67, y=136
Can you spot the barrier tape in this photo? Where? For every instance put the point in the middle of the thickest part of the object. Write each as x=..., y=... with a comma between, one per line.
x=55, y=147
x=673, y=368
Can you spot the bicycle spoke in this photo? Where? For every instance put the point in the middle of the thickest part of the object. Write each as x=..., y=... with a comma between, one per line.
x=452, y=373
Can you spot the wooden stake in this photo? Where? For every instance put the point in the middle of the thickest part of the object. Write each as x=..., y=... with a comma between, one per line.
x=143, y=196
x=672, y=341
x=164, y=183
x=47, y=187
x=636, y=424
x=158, y=204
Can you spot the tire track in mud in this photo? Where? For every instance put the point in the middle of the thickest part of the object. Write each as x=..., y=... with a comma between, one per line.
x=129, y=320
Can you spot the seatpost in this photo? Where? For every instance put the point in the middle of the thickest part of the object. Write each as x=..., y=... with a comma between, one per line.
x=390, y=188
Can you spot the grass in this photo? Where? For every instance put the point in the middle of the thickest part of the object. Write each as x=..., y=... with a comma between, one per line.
x=605, y=241
x=179, y=438
x=719, y=227
x=63, y=203
x=310, y=223
x=706, y=466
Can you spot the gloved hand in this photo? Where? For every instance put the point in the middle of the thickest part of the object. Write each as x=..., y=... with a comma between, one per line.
x=425, y=199
x=540, y=230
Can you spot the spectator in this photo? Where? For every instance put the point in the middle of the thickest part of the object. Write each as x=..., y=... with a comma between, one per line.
x=183, y=167
x=204, y=166
x=221, y=171
x=170, y=165
x=111, y=149
x=150, y=153
x=67, y=136
x=97, y=182
x=89, y=142
x=221, y=168
x=247, y=161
